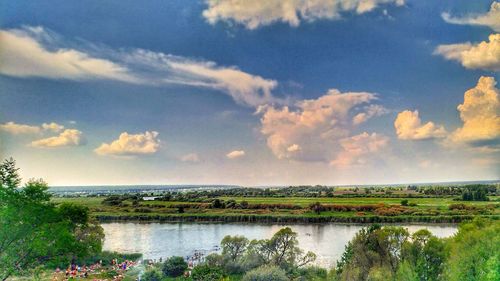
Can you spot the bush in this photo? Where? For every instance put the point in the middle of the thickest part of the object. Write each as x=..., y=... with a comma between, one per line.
x=266, y=273
x=312, y=273
x=404, y=202
x=205, y=272
x=152, y=274
x=174, y=266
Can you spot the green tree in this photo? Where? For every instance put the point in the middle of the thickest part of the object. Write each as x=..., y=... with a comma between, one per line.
x=33, y=231
x=233, y=247
x=474, y=252
x=174, y=266
x=281, y=250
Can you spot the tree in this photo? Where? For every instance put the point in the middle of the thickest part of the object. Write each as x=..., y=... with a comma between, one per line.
x=233, y=247
x=281, y=250
x=174, y=266
x=373, y=252
x=474, y=252
x=34, y=231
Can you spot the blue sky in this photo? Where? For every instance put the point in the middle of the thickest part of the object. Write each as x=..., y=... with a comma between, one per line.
x=208, y=93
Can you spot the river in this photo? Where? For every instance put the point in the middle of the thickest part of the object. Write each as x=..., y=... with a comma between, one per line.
x=155, y=240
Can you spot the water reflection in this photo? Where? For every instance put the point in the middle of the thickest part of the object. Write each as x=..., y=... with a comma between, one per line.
x=155, y=240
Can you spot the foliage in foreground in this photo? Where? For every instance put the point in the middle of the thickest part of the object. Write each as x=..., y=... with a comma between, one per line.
x=34, y=232
x=391, y=253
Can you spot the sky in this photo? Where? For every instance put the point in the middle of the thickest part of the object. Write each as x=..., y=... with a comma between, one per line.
x=253, y=93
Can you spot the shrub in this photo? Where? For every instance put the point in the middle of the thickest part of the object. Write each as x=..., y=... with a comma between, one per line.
x=312, y=273
x=174, y=266
x=404, y=202
x=266, y=273
x=152, y=274
x=206, y=272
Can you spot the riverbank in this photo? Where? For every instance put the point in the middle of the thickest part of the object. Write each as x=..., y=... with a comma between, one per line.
x=287, y=219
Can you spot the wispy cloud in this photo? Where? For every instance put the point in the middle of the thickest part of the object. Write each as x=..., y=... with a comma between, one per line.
x=490, y=18
x=18, y=129
x=257, y=13
x=24, y=54
x=36, y=52
x=235, y=154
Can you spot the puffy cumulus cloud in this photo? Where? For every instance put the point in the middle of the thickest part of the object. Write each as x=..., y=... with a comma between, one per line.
x=490, y=18
x=18, y=129
x=409, y=127
x=131, y=145
x=311, y=130
x=357, y=150
x=484, y=55
x=372, y=110
x=256, y=13
x=235, y=154
x=480, y=113
x=54, y=127
x=69, y=137
x=23, y=54
x=190, y=157
x=244, y=88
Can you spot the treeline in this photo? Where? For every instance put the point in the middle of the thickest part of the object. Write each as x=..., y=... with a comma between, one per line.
x=475, y=192
x=376, y=253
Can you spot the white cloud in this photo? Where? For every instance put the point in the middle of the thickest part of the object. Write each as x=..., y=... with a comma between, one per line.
x=293, y=148
x=409, y=127
x=235, y=154
x=372, y=110
x=24, y=55
x=190, y=157
x=490, y=18
x=131, y=145
x=244, y=88
x=257, y=13
x=357, y=150
x=484, y=55
x=18, y=129
x=54, y=127
x=480, y=113
x=69, y=137
x=34, y=51
x=312, y=130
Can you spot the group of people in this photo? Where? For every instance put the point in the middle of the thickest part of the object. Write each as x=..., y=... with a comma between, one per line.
x=74, y=271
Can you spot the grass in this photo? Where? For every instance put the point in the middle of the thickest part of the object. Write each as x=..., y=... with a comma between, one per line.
x=425, y=209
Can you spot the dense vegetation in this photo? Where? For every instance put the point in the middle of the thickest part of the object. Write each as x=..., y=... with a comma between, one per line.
x=376, y=253
x=36, y=234
x=299, y=205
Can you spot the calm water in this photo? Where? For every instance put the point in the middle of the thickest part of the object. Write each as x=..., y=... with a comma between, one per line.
x=155, y=240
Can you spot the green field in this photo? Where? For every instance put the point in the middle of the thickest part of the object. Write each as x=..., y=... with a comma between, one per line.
x=435, y=209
